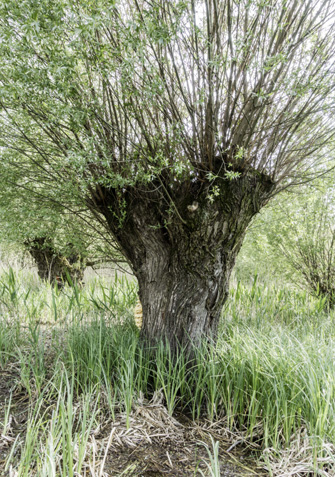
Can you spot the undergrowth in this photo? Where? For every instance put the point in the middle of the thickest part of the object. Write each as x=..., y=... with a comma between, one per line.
x=270, y=380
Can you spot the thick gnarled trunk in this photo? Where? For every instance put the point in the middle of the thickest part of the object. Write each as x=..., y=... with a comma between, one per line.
x=184, y=304
x=181, y=241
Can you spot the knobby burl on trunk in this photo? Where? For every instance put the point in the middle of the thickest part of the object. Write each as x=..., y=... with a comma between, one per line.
x=181, y=242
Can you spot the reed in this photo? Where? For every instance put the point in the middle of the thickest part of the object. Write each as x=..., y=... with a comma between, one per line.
x=270, y=378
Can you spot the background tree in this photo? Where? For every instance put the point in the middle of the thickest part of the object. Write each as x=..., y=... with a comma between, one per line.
x=61, y=243
x=175, y=121
x=309, y=247
x=299, y=233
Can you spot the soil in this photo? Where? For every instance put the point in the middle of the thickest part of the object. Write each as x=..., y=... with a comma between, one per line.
x=153, y=460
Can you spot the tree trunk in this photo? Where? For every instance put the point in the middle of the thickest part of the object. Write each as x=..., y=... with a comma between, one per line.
x=182, y=241
x=52, y=266
x=183, y=304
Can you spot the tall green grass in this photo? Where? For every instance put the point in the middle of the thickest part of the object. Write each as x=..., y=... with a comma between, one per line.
x=271, y=374
x=267, y=383
x=25, y=297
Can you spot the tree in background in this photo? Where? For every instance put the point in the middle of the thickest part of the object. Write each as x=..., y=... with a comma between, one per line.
x=61, y=243
x=293, y=239
x=54, y=266
x=308, y=243
x=175, y=121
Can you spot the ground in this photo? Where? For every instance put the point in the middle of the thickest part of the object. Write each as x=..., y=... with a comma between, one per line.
x=154, y=444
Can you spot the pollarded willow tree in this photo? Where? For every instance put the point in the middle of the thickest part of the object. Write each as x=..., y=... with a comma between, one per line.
x=61, y=241
x=176, y=121
x=304, y=250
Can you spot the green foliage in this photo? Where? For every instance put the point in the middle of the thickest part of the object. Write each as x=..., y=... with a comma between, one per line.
x=308, y=246
x=214, y=465
x=105, y=95
x=294, y=238
x=26, y=219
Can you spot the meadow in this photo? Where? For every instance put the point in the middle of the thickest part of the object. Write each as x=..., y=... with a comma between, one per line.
x=80, y=395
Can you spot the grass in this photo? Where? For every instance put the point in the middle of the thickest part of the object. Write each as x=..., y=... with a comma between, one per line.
x=22, y=296
x=213, y=466
x=269, y=383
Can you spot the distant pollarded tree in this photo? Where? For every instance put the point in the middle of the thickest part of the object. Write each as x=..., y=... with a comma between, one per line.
x=307, y=243
x=176, y=121
x=293, y=240
x=61, y=243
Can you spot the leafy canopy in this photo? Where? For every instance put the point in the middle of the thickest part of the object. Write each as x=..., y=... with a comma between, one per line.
x=117, y=94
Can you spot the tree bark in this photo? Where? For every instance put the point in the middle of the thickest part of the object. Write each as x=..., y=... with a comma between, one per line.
x=181, y=241
x=54, y=267
x=183, y=304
